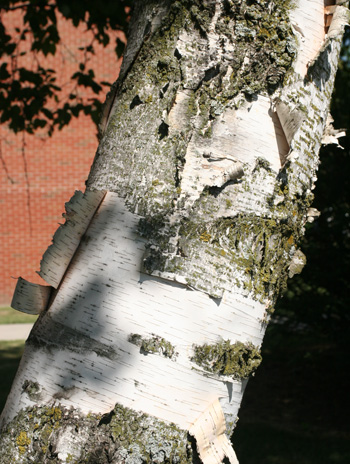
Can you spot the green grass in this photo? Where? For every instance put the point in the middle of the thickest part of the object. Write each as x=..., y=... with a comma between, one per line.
x=11, y=316
x=10, y=355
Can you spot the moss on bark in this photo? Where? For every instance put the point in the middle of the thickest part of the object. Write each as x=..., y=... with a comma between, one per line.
x=58, y=435
x=237, y=360
x=154, y=345
x=255, y=47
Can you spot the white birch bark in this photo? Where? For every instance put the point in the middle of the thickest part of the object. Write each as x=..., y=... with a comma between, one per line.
x=209, y=157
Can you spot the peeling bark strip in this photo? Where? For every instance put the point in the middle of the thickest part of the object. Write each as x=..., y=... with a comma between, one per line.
x=209, y=154
x=33, y=298
x=79, y=212
x=30, y=298
x=209, y=431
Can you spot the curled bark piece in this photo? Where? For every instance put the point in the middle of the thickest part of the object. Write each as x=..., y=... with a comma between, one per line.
x=332, y=135
x=79, y=212
x=212, y=442
x=30, y=298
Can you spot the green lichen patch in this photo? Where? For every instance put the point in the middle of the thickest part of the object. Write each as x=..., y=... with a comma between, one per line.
x=265, y=47
x=141, y=155
x=154, y=345
x=215, y=251
x=22, y=441
x=139, y=435
x=202, y=13
x=30, y=434
x=57, y=435
x=32, y=389
x=238, y=360
x=142, y=165
x=246, y=250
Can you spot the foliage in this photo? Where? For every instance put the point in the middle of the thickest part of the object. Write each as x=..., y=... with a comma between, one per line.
x=30, y=97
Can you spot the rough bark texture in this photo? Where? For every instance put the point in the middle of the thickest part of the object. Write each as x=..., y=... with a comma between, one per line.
x=209, y=154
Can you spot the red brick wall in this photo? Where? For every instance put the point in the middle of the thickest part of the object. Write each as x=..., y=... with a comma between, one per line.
x=56, y=167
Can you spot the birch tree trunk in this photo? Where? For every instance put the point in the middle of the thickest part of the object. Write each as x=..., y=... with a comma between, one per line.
x=166, y=272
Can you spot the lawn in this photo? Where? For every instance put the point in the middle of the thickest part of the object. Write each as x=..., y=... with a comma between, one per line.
x=11, y=316
x=10, y=351
x=10, y=355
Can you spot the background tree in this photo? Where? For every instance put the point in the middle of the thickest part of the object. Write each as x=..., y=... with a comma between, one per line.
x=30, y=97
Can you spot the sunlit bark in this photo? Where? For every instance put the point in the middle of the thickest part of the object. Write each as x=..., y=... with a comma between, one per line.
x=208, y=159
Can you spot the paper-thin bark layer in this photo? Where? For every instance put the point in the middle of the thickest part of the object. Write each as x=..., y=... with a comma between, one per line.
x=79, y=211
x=30, y=298
x=212, y=442
x=306, y=18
